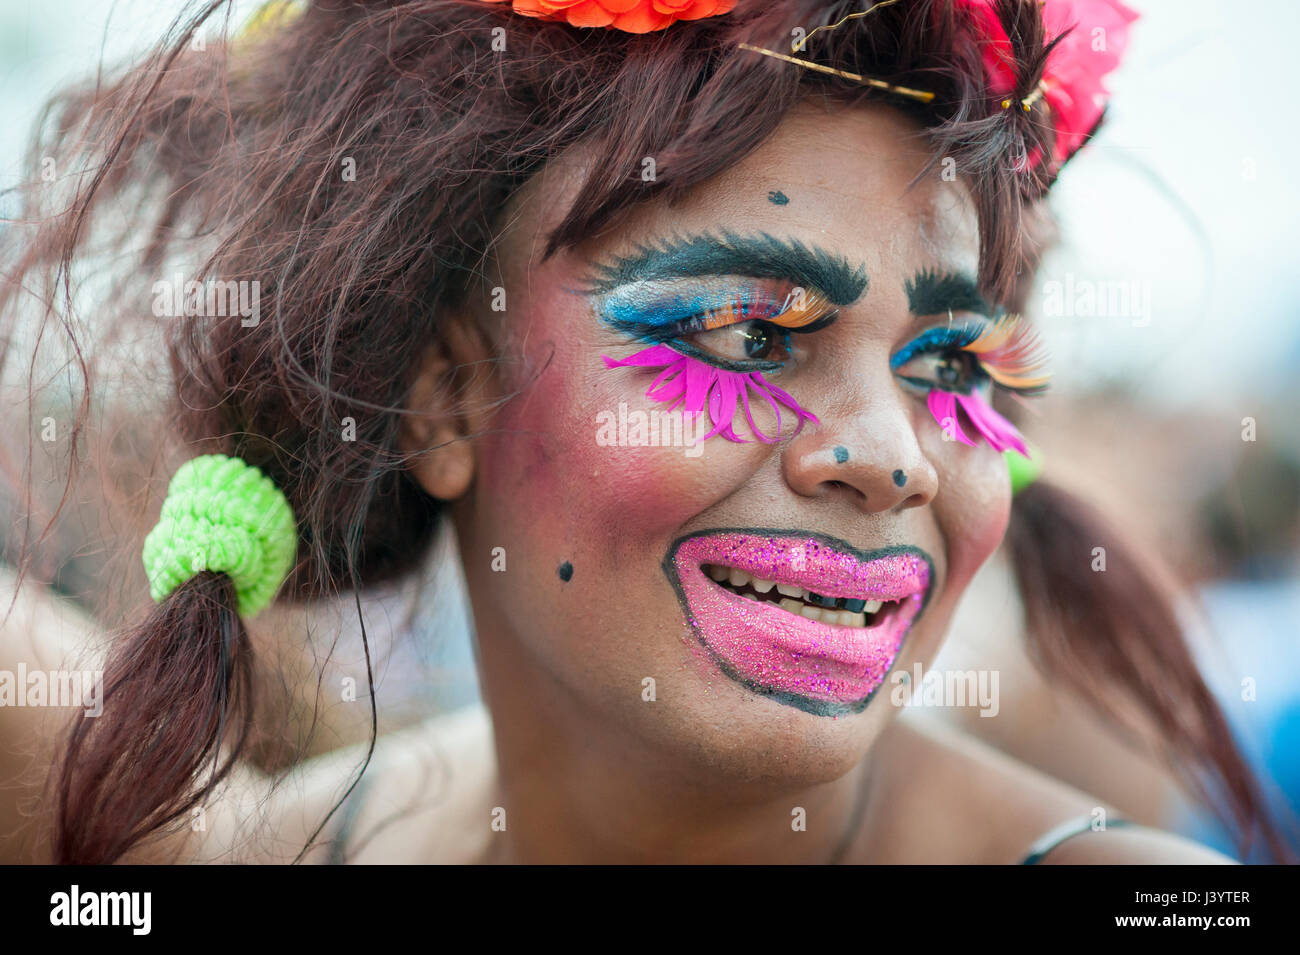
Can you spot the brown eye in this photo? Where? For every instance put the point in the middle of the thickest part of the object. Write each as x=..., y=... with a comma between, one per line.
x=744, y=341
x=950, y=370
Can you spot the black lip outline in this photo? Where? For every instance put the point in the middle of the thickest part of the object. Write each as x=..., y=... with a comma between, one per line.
x=808, y=705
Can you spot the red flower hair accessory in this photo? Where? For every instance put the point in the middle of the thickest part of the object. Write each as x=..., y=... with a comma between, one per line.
x=1072, y=77
x=632, y=16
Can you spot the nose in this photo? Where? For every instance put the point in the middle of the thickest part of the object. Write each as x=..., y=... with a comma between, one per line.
x=864, y=451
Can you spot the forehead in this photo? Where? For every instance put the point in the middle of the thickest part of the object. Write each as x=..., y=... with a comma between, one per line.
x=830, y=175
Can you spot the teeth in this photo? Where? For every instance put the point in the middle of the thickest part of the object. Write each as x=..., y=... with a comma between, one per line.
x=838, y=618
x=794, y=606
x=799, y=601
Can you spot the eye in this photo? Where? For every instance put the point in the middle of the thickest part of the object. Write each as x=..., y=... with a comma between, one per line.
x=949, y=368
x=743, y=330
x=744, y=341
x=974, y=356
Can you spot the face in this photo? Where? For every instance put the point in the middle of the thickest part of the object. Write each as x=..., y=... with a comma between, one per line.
x=732, y=580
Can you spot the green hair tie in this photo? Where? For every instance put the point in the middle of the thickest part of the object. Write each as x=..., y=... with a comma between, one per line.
x=222, y=515
x=1024, y=470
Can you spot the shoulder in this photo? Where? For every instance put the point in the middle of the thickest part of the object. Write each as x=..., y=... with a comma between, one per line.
x=424, y=797
x=950, y=798
x=1134, y=845
x=431, y=795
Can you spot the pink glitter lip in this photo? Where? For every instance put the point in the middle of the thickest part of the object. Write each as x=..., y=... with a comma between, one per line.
x=818, y=667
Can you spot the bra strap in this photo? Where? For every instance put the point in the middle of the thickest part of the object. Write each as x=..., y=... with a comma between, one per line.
x=1066, y=830
x=351, y=809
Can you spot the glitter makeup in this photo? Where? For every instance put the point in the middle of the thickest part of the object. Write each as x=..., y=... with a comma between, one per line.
x=750, y=628
x=757, y=318
x=701, y=295
x=695, y=385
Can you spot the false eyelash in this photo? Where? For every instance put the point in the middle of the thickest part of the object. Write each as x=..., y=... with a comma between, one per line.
x=795, y=312
x=1011, y=353
x=792, y=308
x=696, y=385
x=697, y=381
x=1000, y=433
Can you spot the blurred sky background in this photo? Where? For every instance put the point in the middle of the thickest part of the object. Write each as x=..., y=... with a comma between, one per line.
x=1187, y=192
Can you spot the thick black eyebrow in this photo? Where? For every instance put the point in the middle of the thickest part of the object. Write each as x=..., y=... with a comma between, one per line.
x=755, y=256
x=934, y=293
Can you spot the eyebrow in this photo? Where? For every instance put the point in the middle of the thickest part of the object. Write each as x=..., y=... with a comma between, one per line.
x=756, y=256
x=933, y=293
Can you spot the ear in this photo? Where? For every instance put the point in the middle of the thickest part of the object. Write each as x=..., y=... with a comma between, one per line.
x=436, y=428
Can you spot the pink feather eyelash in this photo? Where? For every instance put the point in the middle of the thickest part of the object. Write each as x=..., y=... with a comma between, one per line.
x=997, y=430
x=696, y=385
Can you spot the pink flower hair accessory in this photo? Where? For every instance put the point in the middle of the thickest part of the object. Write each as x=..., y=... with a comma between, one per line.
x=695, y=386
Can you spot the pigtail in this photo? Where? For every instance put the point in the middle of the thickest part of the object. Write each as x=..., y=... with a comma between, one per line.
x=179, y=686
x=176, y=715
x=1111, y=632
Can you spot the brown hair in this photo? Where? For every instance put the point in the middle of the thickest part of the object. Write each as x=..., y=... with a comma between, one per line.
x=239, y=150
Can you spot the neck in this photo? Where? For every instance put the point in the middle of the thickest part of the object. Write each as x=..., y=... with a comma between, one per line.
x=580, y=787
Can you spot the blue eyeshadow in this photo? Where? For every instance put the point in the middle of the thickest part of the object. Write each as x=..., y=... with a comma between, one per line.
x=635, y=310
x=934, y=339
x=629, y=309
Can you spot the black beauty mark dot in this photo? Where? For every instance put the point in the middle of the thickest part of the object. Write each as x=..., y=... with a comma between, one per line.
x=566, y=571
x=900, y=478
x=777, y=197
x=841, y=454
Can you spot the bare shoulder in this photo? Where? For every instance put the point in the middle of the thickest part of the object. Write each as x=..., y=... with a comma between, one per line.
x=951, y=798
x=424, y=797
x=1135, y=845
x=430, y=798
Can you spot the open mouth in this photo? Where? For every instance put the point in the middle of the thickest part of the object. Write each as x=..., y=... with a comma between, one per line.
x=861, y=612
x=804, y=618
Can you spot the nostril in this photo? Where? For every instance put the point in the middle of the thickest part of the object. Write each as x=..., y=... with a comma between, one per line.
x=841, y=485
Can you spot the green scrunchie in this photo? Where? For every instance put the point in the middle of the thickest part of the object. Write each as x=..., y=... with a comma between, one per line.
x=222, y=515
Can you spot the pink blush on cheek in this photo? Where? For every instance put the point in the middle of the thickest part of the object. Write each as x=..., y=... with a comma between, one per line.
x=544, y=461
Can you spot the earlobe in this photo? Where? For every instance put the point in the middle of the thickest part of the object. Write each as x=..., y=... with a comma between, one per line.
x=435, y=431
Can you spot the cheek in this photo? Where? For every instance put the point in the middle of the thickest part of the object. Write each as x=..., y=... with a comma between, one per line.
x=972, y=507
x=565, y=459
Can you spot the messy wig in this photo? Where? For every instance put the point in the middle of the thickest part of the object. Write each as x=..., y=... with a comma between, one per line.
x=230, y=155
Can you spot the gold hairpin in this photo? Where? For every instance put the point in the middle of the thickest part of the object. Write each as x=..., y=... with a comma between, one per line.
x=924, y=96
x=1029, y=100
x=800, y=44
